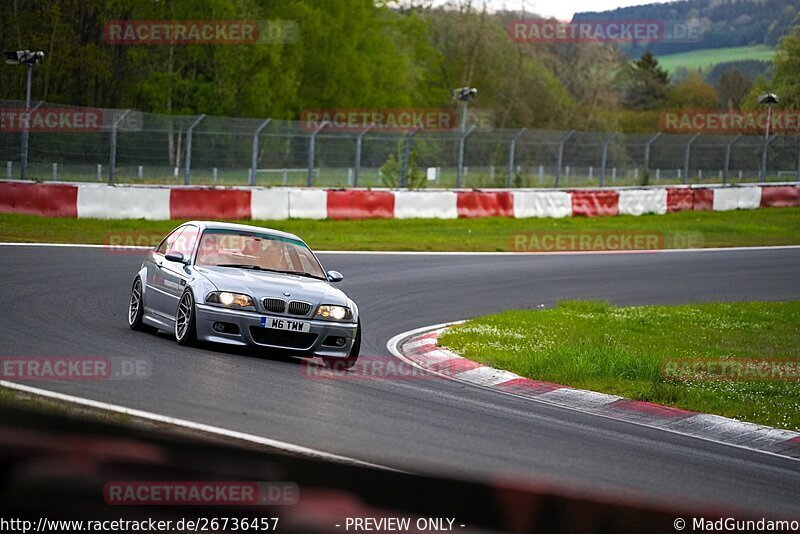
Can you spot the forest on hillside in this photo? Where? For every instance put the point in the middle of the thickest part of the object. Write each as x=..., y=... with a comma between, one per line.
x=369, y=54
x=723, y=23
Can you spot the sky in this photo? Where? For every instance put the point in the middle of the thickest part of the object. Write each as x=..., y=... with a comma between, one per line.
x=560, y=9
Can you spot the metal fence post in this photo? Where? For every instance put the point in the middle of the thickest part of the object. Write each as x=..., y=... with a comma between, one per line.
x=357, y=165
x=686, y=156
x=798, y=164
x=187, y=169
x=112, y=155
x=404, y=157
x=604, y=157
x=254, y=158
x=23, y=158
x=461, y=143
x=764, y=150
x=312, y=147
x=512, y=149
x=561, y=155
x=647, y=147
x=727, y=164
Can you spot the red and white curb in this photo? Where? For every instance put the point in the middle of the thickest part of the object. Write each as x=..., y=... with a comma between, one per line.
x=420, y=347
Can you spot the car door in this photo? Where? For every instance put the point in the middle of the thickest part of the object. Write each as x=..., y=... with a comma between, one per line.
x=156, y=301
x=174, y=274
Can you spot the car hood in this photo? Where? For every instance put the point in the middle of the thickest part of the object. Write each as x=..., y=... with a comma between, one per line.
x=259, y=284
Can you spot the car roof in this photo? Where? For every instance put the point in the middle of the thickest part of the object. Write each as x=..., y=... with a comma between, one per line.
x=215, y=225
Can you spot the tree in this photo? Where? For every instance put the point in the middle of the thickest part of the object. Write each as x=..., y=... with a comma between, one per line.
x=693, y=93
x=786, y=83
x=787, y=70
x=647, y=83
x=732, y=88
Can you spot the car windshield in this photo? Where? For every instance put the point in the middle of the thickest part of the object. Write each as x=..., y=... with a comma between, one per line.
x=257, y=251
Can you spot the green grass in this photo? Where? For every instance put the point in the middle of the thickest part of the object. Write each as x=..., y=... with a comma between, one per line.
x=773, y=226
x=619, y=350
x=708, y=57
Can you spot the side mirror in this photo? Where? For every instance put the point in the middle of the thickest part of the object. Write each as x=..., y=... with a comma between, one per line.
x=176, y=257
x=335, y=276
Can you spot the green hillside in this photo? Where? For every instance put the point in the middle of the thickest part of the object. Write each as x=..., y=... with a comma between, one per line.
x=708, y=57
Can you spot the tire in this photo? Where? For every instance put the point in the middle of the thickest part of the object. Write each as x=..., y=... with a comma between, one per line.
x=136, y=308
x=341, y=364
x=185, y=320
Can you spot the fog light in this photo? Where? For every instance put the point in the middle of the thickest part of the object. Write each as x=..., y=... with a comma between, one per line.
x=219, y=327
x=335, y=341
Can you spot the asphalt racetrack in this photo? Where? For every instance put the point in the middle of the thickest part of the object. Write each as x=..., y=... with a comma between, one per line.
x=72, y=301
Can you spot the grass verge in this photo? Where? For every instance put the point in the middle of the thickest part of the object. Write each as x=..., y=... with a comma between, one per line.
x=773, y=226
x=630, y=351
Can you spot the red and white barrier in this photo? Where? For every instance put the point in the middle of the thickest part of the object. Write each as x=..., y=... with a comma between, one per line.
x=542, y=204
x=163, y=202
x=103, y=202
x=425, y=205
x=737, y=198
x=269, y=204
x=308, y=204
x=641, y=201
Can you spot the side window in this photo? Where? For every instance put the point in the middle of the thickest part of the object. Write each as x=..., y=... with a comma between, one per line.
x=169, y=240
x=186, y=241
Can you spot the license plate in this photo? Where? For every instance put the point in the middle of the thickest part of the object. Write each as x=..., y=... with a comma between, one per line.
x=285, y=324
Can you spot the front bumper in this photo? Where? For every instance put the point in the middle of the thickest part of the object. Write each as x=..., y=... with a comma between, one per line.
x=250, y=332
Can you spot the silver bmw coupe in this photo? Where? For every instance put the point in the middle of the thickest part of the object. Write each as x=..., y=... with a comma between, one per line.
x=245, y=285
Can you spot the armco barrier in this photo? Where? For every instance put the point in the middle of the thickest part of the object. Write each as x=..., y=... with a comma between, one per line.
x=357, y=204
x=702, y=199
x=104, y=202
x=308, y=204
x=554, y=204
x=474, y=204
x=680, y=199
x=38, y=199
x=425, y=205
x=641, y=201
x=160, y=203
x=780, y=196
x=595, y=203
x=737, y=198
x=213, y=203
x=269, y=204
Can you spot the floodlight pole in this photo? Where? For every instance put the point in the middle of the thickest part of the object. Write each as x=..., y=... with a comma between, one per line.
x=23, y=162
x=765, y=147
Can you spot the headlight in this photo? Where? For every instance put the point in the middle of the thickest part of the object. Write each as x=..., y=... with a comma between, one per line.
x=230, y=300
x=334, y=313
